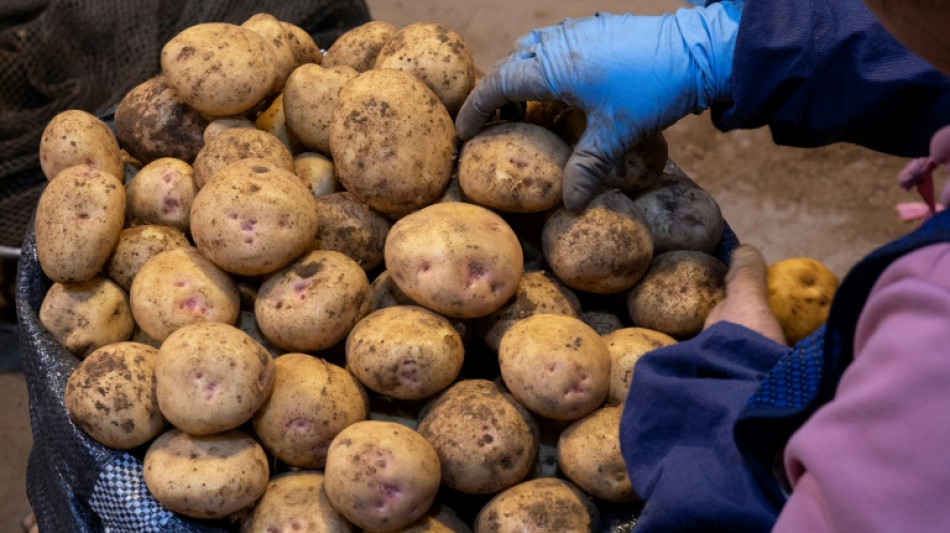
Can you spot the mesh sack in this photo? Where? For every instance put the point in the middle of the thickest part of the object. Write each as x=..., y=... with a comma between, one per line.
x=87, y=54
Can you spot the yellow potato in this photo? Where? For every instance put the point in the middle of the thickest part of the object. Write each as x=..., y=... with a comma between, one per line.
x=535, y=505
x=588, y=452
x=626, y=346
x=236, y=143
x=75, y=137
x=309, y=98
x=296, y=501
x=303, y=45
x=275, y=33
x=274, y=121
x=800, y=293
x=358, y=47
x=162, y=193
x=136, y=246
x=317, y=173
x=86, y=315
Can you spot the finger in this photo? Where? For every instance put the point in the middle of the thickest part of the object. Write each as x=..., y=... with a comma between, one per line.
x=593, y=158
x=746, y=277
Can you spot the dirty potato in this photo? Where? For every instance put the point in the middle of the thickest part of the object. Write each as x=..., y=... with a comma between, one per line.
x=358, y=47
x=588, y=452
x=87, y=315
x=317, y=173
x=221, y=124
x=137, y=245
x=626, y=346
x=302, y=43
x=602, y=321
x=238, y=143
x=75, y=137
x=538, y=505
x=439, y=519
x=309, y=97
x=162, y=193
x=385, y=293
x=275, y=33
x=274, y=121
x=348, y=226
x=640, y=166
x=296, y=501
x=680, y=214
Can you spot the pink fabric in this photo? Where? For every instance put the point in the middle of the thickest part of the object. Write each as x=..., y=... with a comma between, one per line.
x=877, y=457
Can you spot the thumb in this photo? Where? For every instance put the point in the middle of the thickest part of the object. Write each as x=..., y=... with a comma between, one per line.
x=746, y=278
x=593, y=158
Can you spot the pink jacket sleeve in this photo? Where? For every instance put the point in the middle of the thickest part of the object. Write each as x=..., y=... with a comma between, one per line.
x=877, y=457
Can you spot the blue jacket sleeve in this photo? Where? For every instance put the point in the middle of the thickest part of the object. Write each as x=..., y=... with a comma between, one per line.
x=818, y=72
x=676, y=433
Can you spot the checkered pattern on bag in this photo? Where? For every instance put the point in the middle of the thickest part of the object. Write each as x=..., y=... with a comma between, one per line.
x=122, y=501
x=794, y=381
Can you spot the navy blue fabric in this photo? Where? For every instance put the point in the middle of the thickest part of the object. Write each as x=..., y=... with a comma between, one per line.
x=677, y=439
x=819, y=71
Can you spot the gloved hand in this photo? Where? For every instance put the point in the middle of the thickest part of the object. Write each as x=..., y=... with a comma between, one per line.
x=632, y=75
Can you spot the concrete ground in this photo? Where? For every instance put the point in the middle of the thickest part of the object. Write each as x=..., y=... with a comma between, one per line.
x=834, y=204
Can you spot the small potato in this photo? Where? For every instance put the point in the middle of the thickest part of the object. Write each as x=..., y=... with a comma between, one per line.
x=677, y=293
x=276, y=35
x=311, y=402
x=626, y=346
x=439, y=519
x=221, y=124
x=313, y=303
x=405, y=352
x=162, y=193
x=556, y=365
x=358, y=47
x=152, y=122
x=234, y=144
x=588, y=453
x=111, y=395
x=460, y=260
x=640, y=166
x=253, y=218
x=208, y=476
x=382, y=476
x=538, y=505
x=309, y=97
x=385, y=293
x=435, y=54
x=603, y=322
x=514, y=166
x=180, y=287
x=211, y=377
x=486, y=440
x=137, y=245
x=219, y=68
x=274, y=121
x=304, y=48
x=801, y=290
x=87, y=315
x=75, y=137
x=78, y=220
x=680, y=215
x=348, y=226
x=317, y=173
x=393, y=144
x=604, y=249
x=296, y=501
x=538, y=293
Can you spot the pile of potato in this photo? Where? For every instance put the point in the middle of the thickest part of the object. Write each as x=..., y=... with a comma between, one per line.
x=312, y=309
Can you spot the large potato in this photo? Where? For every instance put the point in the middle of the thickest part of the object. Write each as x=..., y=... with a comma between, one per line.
x=626, y=346
x=312, y=401
x=485, y=439
x=111, y=395
x=211, y=377
x=309, y=98
x=78, y=220
x=303, y=45
x=238, y=143
x=162, y=193
x=546, y=504
x=86, y=315
x=279, y=39
x=209, y=476
x=588, y=453
x=152, y=122
x=348, y=226
x=219, y=68
x=405, y=352
x=296, y=501
x=514, y=166
x=358, y=47
x=604, y=249
x=392, y=142
x=460, y=260
x=136, y=246
x=382, y=476
x=253, y=218
x=680, y=215
x=435, y=54
x=75, y=137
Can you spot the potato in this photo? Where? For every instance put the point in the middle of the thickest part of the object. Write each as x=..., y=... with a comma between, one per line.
x=439, y=519
x=253, y=218
x=208, y=476
x=381, y=476
x=211, y=377
x=86, y=315
x=304, y=48
x=680, y=215
x=640, y=166
x=588, y=453
x=317, y=173
x=137, y=245
x=313, y=303
x=556, y=365
x=349, y=226
x=603, y=249
x=486, y=441
x=111, y=395
x=435, y=54
x=404, y=352
x=311, y=402
x=603, y=322
x=358, y=47
x=677, y=293
x=219, y=68
x=538, y=292
x=180, y=287
x=276, y=35
x=75, y=137
x=274, y=121
x=392, y=143
x=296, y=501
x=221, y=124
x=626, y=346
x=385, y=293
x=514, y=166
x=460, y=260
x=78, y=220
x=546, y=504
x=152, y=122
x=309, y=98
x=800, y=293
x=234, y=144
x=162, y=193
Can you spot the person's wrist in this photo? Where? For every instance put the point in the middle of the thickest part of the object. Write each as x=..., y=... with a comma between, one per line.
x=709, y=36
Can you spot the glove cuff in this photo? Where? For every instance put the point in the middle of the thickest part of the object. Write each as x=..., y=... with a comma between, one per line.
x=709, y=37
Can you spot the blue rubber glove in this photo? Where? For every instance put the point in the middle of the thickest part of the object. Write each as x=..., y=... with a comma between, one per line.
x=632, y=75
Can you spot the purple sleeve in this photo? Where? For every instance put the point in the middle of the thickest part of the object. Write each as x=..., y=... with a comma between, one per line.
x=877, y=457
